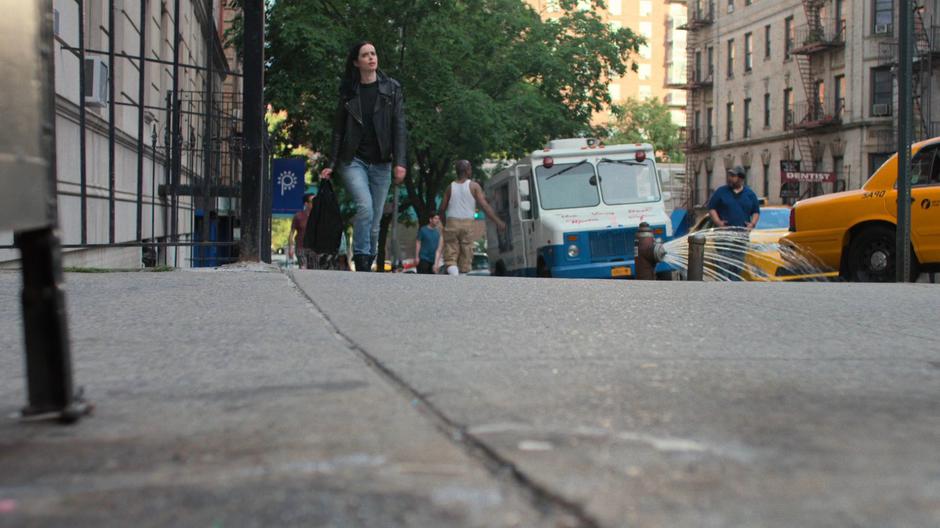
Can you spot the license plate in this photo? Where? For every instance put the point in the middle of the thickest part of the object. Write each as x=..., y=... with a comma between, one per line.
x=621, y=272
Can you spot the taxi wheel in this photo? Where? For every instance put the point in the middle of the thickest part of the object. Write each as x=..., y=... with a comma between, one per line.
x=871, y=256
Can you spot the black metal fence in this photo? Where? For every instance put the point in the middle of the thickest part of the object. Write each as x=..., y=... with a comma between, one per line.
x=189, y=147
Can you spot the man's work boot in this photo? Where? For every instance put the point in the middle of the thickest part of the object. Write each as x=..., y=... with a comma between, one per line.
x=362, y=262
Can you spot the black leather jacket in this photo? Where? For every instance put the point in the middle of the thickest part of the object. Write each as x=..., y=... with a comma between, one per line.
x=389, y=119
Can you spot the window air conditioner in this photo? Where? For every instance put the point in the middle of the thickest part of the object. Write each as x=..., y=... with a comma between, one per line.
x=881, y=29
x=880, y=110
x=96, y=81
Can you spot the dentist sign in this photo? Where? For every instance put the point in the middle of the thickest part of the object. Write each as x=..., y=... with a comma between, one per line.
x=289, y=185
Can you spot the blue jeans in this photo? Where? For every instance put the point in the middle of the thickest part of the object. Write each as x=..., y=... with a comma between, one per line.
x=368, y=184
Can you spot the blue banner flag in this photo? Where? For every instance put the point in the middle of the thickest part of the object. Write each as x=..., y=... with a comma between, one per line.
x=288, y=195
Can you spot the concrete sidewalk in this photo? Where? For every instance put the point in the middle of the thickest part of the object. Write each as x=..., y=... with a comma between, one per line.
x=247, y=397
x=224, y=399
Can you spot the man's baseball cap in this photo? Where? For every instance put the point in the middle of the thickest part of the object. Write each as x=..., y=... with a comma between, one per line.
x=738, y=171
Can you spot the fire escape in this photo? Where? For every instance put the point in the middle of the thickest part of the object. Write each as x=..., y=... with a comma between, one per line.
x=926, y=59
x=699, y=82
x=820, y=112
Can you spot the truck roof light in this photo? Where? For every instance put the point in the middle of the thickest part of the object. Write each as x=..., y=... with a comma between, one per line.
x=641, y=155
x=548, y=162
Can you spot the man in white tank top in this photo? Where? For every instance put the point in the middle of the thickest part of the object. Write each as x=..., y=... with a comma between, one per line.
x=460, y=202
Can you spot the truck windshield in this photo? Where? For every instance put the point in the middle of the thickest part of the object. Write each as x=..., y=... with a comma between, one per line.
x=628, y=181
x=567, y=185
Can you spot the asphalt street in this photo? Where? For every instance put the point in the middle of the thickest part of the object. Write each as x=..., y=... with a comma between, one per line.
x=253, y=398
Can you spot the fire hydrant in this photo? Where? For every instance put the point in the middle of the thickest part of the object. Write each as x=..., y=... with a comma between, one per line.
x=649, y=252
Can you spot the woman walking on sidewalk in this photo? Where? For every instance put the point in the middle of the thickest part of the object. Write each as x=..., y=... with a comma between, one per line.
x=369, y=138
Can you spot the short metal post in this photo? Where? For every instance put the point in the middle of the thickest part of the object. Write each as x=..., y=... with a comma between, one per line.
x=48, y=359
x=696, y=270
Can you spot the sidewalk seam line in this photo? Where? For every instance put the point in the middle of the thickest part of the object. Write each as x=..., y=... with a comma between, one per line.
x=496, y=464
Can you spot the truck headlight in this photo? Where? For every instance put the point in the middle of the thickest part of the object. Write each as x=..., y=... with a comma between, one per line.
x=573, y=251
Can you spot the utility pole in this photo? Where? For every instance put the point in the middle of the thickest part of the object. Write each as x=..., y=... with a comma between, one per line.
x=905, y=118
x=252, y=195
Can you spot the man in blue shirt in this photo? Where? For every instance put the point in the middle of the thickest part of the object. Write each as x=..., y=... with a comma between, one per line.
x=428, y=246
x=734, y=206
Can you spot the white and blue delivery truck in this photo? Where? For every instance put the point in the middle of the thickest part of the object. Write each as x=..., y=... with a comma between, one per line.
x=573, y=208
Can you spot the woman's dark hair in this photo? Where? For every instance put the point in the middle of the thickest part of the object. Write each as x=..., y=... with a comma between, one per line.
x=351, y=73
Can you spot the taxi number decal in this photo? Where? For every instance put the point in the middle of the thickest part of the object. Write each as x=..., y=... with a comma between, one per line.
x=874, y=194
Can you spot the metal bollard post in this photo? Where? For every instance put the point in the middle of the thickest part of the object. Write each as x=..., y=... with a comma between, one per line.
x=696, y=258
x=28, y=204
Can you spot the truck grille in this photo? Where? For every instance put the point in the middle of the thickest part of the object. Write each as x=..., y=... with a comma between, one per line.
x=613, y=244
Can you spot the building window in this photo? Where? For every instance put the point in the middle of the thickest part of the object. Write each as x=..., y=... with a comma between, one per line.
x=840, y=19
x=644, y=72
x=711, y=61
x=709, y=129
x=883, y=18
x=698, y=66
x=838, y=167
x=748, y=2
x=767, y=42
x=616, y=7
x=839, y=99
x=731, y=6
x=876, y=160
x=818, y=108
x=730, y=58
x=766, y=110
x=729, y=132
x=747, y=117
x=789, y=36
x=646, y=8
x=787, y=108
x=748, y=52
x=766, y=179
x=881, y=92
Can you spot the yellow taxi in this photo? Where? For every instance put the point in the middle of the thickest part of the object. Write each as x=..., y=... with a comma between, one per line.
x=765, y=260
x=854, y=231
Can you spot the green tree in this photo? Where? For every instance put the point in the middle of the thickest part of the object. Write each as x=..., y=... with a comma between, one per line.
x=651, y=122
x=482, y=78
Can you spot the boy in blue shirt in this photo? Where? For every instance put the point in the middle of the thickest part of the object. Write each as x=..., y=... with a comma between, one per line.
x=428, y=246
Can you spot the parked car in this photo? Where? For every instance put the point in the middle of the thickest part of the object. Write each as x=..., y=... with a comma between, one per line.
x=765, y=259
x=854, y=231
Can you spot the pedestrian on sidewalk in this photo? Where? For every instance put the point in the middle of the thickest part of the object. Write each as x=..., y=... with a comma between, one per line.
x=369, y=138
x=295, y=239
x=734, y=205
x=428, y=246
x=460, y=202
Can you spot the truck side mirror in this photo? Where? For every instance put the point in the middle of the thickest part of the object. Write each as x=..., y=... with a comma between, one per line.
x=525, y=206
x=523, y=189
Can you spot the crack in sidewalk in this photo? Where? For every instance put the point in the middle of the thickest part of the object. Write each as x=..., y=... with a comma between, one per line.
x=544, y=500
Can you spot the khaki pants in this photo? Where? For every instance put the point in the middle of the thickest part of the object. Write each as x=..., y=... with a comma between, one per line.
x=458, y=247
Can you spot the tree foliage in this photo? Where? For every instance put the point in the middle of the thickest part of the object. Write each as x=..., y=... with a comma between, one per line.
x=651, y=122
x=482, y=79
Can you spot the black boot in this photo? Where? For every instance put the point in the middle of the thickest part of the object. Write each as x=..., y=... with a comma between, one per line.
x=362, y=262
